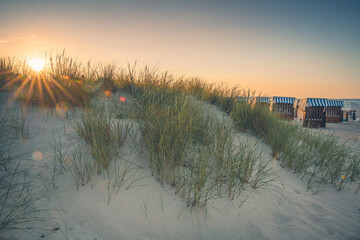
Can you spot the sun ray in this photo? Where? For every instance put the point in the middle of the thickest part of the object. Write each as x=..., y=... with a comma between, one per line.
x=40, y=88
x=49, y=91
x=31, y=89
x=12, y=81
x=22, y=86
x=62, y=89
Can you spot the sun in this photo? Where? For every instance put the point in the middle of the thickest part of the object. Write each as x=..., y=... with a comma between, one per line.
x=36, y=64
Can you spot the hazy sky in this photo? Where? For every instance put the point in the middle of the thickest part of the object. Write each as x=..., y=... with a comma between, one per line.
x=287, y=48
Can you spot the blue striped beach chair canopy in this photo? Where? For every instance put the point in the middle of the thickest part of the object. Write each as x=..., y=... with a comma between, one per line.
x=316, y=102
x=263, y=99
x=243, y=99
x=335, y=103
x=290, y=100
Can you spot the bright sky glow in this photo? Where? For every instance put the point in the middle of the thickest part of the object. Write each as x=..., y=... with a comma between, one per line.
x=279, y=47
x=36, y=64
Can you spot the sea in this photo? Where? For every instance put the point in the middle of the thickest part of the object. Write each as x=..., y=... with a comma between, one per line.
x=347, y=103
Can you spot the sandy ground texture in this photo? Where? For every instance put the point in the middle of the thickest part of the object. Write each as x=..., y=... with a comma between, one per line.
x=347, y=132
x=147, y=210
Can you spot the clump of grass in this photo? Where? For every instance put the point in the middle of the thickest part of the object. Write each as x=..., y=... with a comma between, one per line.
x=170, y=125
x=187, y=148
x=107, y=76
x=60, y=156
x=98, y=151
x=242, y=115
x=96, y=127
x=81, y=167
x=63, y=65
x=234, y=160
x=279, y=134
x=261, y=120
x=220, y=95
x=263, y=175
x=297, y=155
x=321, y=159
x=353, y=168
x=6, y=65
x=332, y=160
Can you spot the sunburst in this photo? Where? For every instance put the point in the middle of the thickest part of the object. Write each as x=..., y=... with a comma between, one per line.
x=38, y=82
x=36, y=64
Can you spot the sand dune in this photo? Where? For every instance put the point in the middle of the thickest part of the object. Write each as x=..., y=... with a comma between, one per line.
x=147, y=210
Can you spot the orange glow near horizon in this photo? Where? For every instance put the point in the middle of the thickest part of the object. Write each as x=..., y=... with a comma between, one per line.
x=284, y=68
x=297, y=79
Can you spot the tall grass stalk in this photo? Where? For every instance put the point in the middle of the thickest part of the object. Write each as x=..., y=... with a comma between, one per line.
x=20, y=122
x=60, y=153
x=7, y=144
x=81, y=167
x=17, y=204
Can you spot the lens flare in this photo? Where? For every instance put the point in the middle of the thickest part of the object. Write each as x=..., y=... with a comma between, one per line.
x=108, y=93
x=61, y=108
x=37, y=156
x=36, y=64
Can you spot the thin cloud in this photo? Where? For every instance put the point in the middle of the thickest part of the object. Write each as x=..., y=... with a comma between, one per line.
x=16, y=35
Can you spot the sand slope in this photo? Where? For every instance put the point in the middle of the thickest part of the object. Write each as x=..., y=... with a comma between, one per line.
x=148, y=210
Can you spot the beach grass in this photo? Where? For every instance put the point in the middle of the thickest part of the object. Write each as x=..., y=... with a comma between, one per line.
x=187, y=147
x=97, y=127
x=62, y=80
x=17, y=203
x=319, y=157
x=199, y=156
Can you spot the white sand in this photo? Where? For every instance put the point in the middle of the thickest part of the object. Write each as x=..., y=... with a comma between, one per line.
x=282, y=211
x=347, y=132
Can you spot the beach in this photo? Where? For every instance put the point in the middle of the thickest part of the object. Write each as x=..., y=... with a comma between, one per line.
x=282, y=209
x=346, y=132
x=179, y=120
